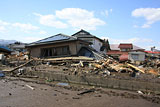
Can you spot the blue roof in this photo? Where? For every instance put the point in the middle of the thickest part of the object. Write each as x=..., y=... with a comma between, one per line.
x=57, y=37
x=5, y=48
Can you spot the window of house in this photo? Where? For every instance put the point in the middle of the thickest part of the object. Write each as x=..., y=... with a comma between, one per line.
x=125, y=50
x=134, y=56
x=55, y=51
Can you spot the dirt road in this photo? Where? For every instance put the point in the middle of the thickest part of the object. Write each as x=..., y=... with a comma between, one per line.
x=16, y=93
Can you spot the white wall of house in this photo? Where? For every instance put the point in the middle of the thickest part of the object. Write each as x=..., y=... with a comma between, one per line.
x=136, y=56
x=96, y=44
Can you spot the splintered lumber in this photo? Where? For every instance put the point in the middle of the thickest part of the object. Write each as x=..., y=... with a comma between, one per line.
x=69, y=58
x=97, y=65
x=29, y=86
x=152, y=71
x=20, y=66
x=87, y=91
x=136, y=68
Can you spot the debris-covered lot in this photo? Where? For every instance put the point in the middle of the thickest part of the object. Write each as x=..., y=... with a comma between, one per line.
x=39, y=82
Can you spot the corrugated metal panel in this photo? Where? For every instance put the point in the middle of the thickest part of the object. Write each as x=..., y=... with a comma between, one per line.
x=54, y=38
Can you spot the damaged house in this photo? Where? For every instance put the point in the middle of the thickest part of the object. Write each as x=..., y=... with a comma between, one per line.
x=81, y=43
x=59, y=45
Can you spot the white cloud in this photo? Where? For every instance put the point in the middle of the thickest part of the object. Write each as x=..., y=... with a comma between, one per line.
x=76, y=18
x=30, y=39
x=3, y=23
x=79, y=18
x=3, y=26
x=111, y=10
x=151, y=15
x=50, y=20
x=141, y=42
x=43, y=32
x=135, y=26
x=25, y=27
x=106, y=12
x=2, y=29
x=131, y=40
x=146, y=26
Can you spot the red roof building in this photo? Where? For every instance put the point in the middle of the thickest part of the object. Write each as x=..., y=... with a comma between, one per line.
x=120, y=51
x=125, y=46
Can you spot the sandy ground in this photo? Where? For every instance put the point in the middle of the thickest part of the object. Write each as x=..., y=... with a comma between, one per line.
x=15, y=93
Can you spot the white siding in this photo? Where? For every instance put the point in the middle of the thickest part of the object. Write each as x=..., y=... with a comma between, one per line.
x=96, y=44
x=137, y=56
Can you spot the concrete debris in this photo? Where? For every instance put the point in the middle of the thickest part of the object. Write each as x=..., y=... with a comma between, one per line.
x=140, y=92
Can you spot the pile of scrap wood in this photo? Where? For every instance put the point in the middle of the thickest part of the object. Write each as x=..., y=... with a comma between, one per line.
x=85, y=65
x=19, y=56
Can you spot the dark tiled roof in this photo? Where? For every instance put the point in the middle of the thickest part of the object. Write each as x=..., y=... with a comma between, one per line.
x=84, y=34
x=53, y=39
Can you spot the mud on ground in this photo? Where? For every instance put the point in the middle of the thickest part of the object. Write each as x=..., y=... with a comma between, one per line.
x=14, y=92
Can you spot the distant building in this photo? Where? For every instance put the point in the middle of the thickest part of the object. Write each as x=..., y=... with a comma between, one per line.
x=136, y=56
x=17, y=47
x=121, y=51
x=153, y=53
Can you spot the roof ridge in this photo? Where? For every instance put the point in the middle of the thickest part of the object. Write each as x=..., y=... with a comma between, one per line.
x=67, y=35
x=51, y=37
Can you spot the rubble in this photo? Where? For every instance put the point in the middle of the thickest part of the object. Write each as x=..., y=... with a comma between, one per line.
x=83, y=66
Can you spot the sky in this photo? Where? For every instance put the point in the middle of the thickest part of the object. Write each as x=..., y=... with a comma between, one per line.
x=119, y=21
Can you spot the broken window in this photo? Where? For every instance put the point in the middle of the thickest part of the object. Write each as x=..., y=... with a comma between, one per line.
x=55, y=51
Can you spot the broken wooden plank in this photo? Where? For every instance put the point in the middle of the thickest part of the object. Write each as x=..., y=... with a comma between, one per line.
x=29, y=86
x=97, y=65
x=87, y=91
x=69, y=58
x=19, y=66
x=136, y=68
